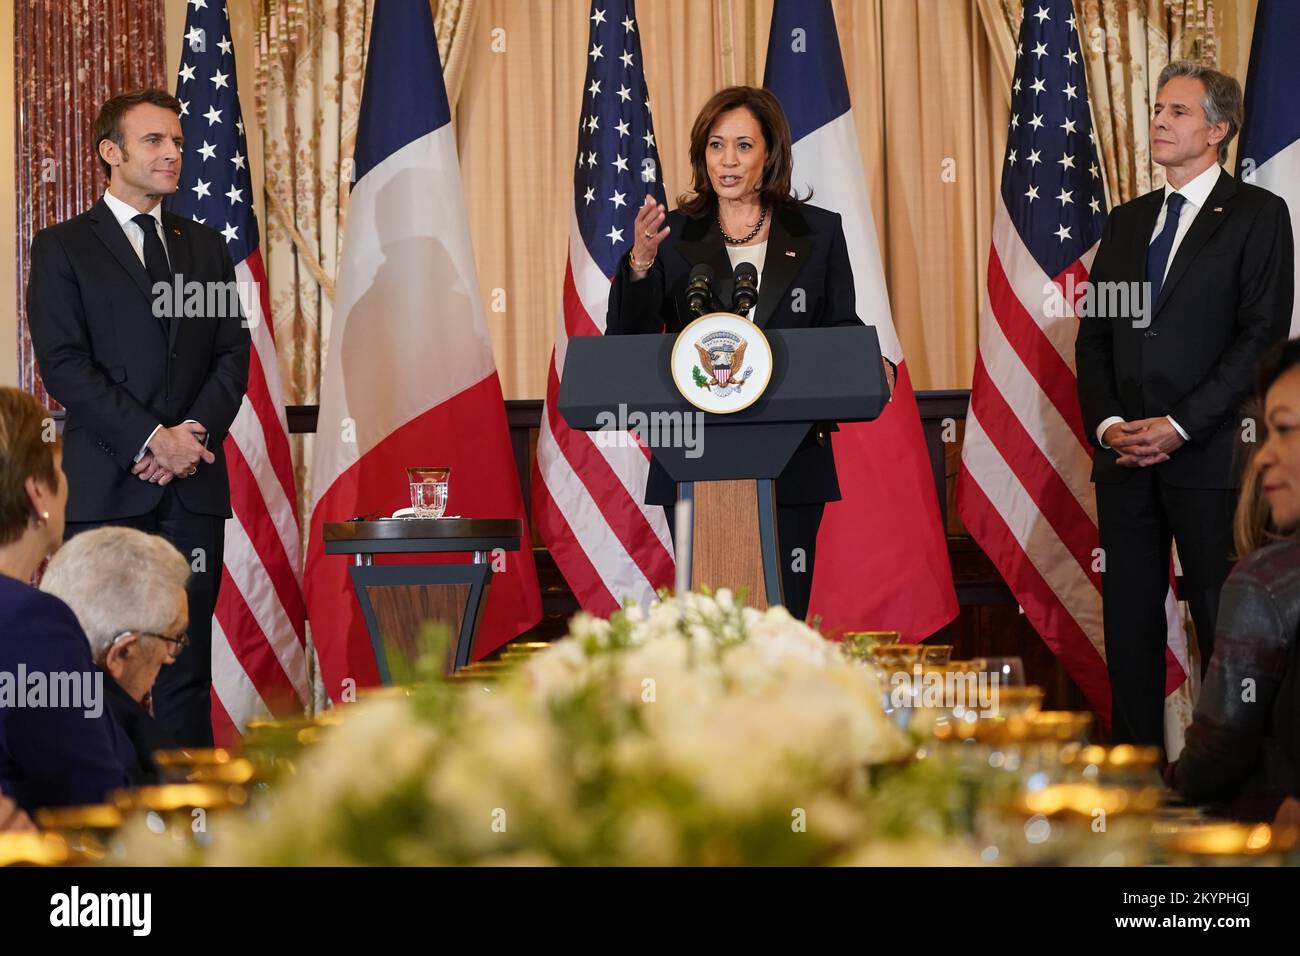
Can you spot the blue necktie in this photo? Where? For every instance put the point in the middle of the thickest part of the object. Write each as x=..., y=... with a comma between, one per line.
x=1158, y=251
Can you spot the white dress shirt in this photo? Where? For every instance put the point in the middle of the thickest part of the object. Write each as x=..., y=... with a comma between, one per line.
x=755, y=254
x=124, y=213
x=1195, y=193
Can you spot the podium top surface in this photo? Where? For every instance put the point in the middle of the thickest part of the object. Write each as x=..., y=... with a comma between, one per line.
x=413, y=535
x=820, y=374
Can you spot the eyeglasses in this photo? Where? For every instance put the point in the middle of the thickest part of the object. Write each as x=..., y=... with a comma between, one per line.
x=181, y=640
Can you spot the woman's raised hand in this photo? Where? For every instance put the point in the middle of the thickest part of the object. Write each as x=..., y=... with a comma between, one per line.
x=649, y=232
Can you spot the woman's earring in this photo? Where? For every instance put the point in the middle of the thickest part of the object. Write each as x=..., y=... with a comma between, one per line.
x=43, y=520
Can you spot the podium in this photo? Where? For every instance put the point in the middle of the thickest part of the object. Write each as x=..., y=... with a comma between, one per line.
x=818, y=375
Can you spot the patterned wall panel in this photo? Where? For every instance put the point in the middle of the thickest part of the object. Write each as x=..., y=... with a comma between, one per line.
x=70, y=56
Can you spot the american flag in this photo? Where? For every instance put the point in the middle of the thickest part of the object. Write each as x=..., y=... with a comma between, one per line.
x=259, y=660
x=588, y=498
x=1024, y=488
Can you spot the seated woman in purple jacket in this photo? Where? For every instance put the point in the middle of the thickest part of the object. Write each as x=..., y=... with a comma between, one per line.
x=1243, y=749
x=58, y=745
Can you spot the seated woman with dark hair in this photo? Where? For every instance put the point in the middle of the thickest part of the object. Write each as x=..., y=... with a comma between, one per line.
x=1243, y=748
x=58, y=746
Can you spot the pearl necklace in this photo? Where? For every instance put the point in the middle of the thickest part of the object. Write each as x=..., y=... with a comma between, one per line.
x=740, y=242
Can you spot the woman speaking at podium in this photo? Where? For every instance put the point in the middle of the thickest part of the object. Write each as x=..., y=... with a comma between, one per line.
x=742, y=209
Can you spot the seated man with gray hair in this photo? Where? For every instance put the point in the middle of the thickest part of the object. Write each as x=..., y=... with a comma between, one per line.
x=127, y=589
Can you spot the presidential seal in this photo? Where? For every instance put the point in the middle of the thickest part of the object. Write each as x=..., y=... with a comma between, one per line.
x=721, y=363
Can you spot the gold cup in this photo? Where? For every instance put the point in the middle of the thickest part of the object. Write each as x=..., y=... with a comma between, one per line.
x=400, y=692
x=30, y=848
x=175, y=765
x=239, y=771
x=896, y=655
x=98, y=816
x=1226, y=844
x=936, y=655
x=1084, y=800
x=171, y=797
x=1014, y=701
x=1121, y=765
x=274, y=738
x=1064, y=726
x=483, y=671
x=858, y=644
x=87, y=829
x=525, y=647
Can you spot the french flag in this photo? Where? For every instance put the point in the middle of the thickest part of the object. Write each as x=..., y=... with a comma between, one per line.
x=882, y=554
x=409, y=378
x=1269, y=153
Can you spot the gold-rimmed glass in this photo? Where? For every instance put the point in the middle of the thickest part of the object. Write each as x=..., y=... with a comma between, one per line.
x=936, y=655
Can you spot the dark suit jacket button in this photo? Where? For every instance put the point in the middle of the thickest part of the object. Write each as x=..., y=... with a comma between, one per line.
x=1149, y=334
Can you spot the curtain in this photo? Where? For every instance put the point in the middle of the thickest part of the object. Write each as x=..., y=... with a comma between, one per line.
x=453, y=22
x=1126, y=43
x=310, y=68
x=309, y=72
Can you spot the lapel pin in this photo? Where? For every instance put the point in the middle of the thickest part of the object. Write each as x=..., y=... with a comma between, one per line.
x=1218, y=209
x=790, y=253
x=175, y=230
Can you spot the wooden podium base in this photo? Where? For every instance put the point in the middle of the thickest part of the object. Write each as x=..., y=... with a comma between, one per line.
x=733, y=538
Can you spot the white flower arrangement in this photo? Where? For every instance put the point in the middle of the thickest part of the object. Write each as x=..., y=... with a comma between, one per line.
x=696, y=731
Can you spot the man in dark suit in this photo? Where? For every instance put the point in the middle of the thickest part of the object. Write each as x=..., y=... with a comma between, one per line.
x=1161, y=387
x=150, y=388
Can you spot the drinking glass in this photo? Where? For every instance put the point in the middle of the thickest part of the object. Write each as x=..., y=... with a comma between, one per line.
x=429, y=488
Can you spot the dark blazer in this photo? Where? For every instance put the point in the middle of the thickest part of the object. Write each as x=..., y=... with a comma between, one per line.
x=147, y=736
x=1225, y=301
x=120, y=370
x=54, y=756
x=807, y=282
x=1243, y=755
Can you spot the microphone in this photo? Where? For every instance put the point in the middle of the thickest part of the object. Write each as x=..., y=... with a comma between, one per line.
x=745, y=294
x=699, y=289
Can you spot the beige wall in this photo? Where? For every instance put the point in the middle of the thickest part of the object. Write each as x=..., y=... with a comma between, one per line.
x=8, y=206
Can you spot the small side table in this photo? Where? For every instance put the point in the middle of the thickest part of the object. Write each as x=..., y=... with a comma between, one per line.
x=397, y=599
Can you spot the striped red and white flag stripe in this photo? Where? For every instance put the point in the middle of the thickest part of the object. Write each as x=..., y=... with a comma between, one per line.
x=1024, y=489
x=588, y=496
x=259, y=657
x=589, y=491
